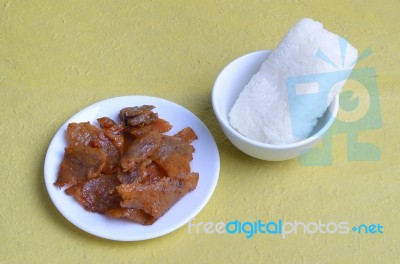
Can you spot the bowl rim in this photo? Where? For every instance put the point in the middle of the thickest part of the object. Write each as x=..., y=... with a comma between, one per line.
x=333, y=108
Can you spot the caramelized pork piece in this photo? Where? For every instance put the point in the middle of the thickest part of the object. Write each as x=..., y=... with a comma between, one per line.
x=147, y=172
x=80, y=163
x=98, y=194
x=136, y=175
x=138, y=115
x=159, y=125
x=153, y=174
x=128, y=140
x=174, y=156
x=81, y=133
x=113, y=131
x=140, y=150
x=89, y=135
x=132, y=214
x=187, y=135
x=156, y=198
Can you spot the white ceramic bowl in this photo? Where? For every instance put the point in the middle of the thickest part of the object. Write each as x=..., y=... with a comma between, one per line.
x=228, y=85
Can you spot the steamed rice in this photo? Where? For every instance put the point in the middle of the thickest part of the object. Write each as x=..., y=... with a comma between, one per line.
x=262, y=111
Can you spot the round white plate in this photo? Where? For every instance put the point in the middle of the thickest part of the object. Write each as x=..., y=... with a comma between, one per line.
x=205, y=162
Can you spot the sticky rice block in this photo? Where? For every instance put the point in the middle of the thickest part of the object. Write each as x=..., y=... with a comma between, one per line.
x=263, y=110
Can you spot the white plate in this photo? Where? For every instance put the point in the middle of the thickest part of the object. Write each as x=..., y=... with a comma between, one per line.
x=205, y=162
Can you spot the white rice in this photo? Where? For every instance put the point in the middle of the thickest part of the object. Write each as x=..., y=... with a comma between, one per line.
x=262, y=110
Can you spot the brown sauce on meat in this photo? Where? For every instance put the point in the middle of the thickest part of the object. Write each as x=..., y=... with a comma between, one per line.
x=130, y=169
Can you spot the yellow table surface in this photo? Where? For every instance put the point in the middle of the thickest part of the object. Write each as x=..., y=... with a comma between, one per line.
x=57, y=57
